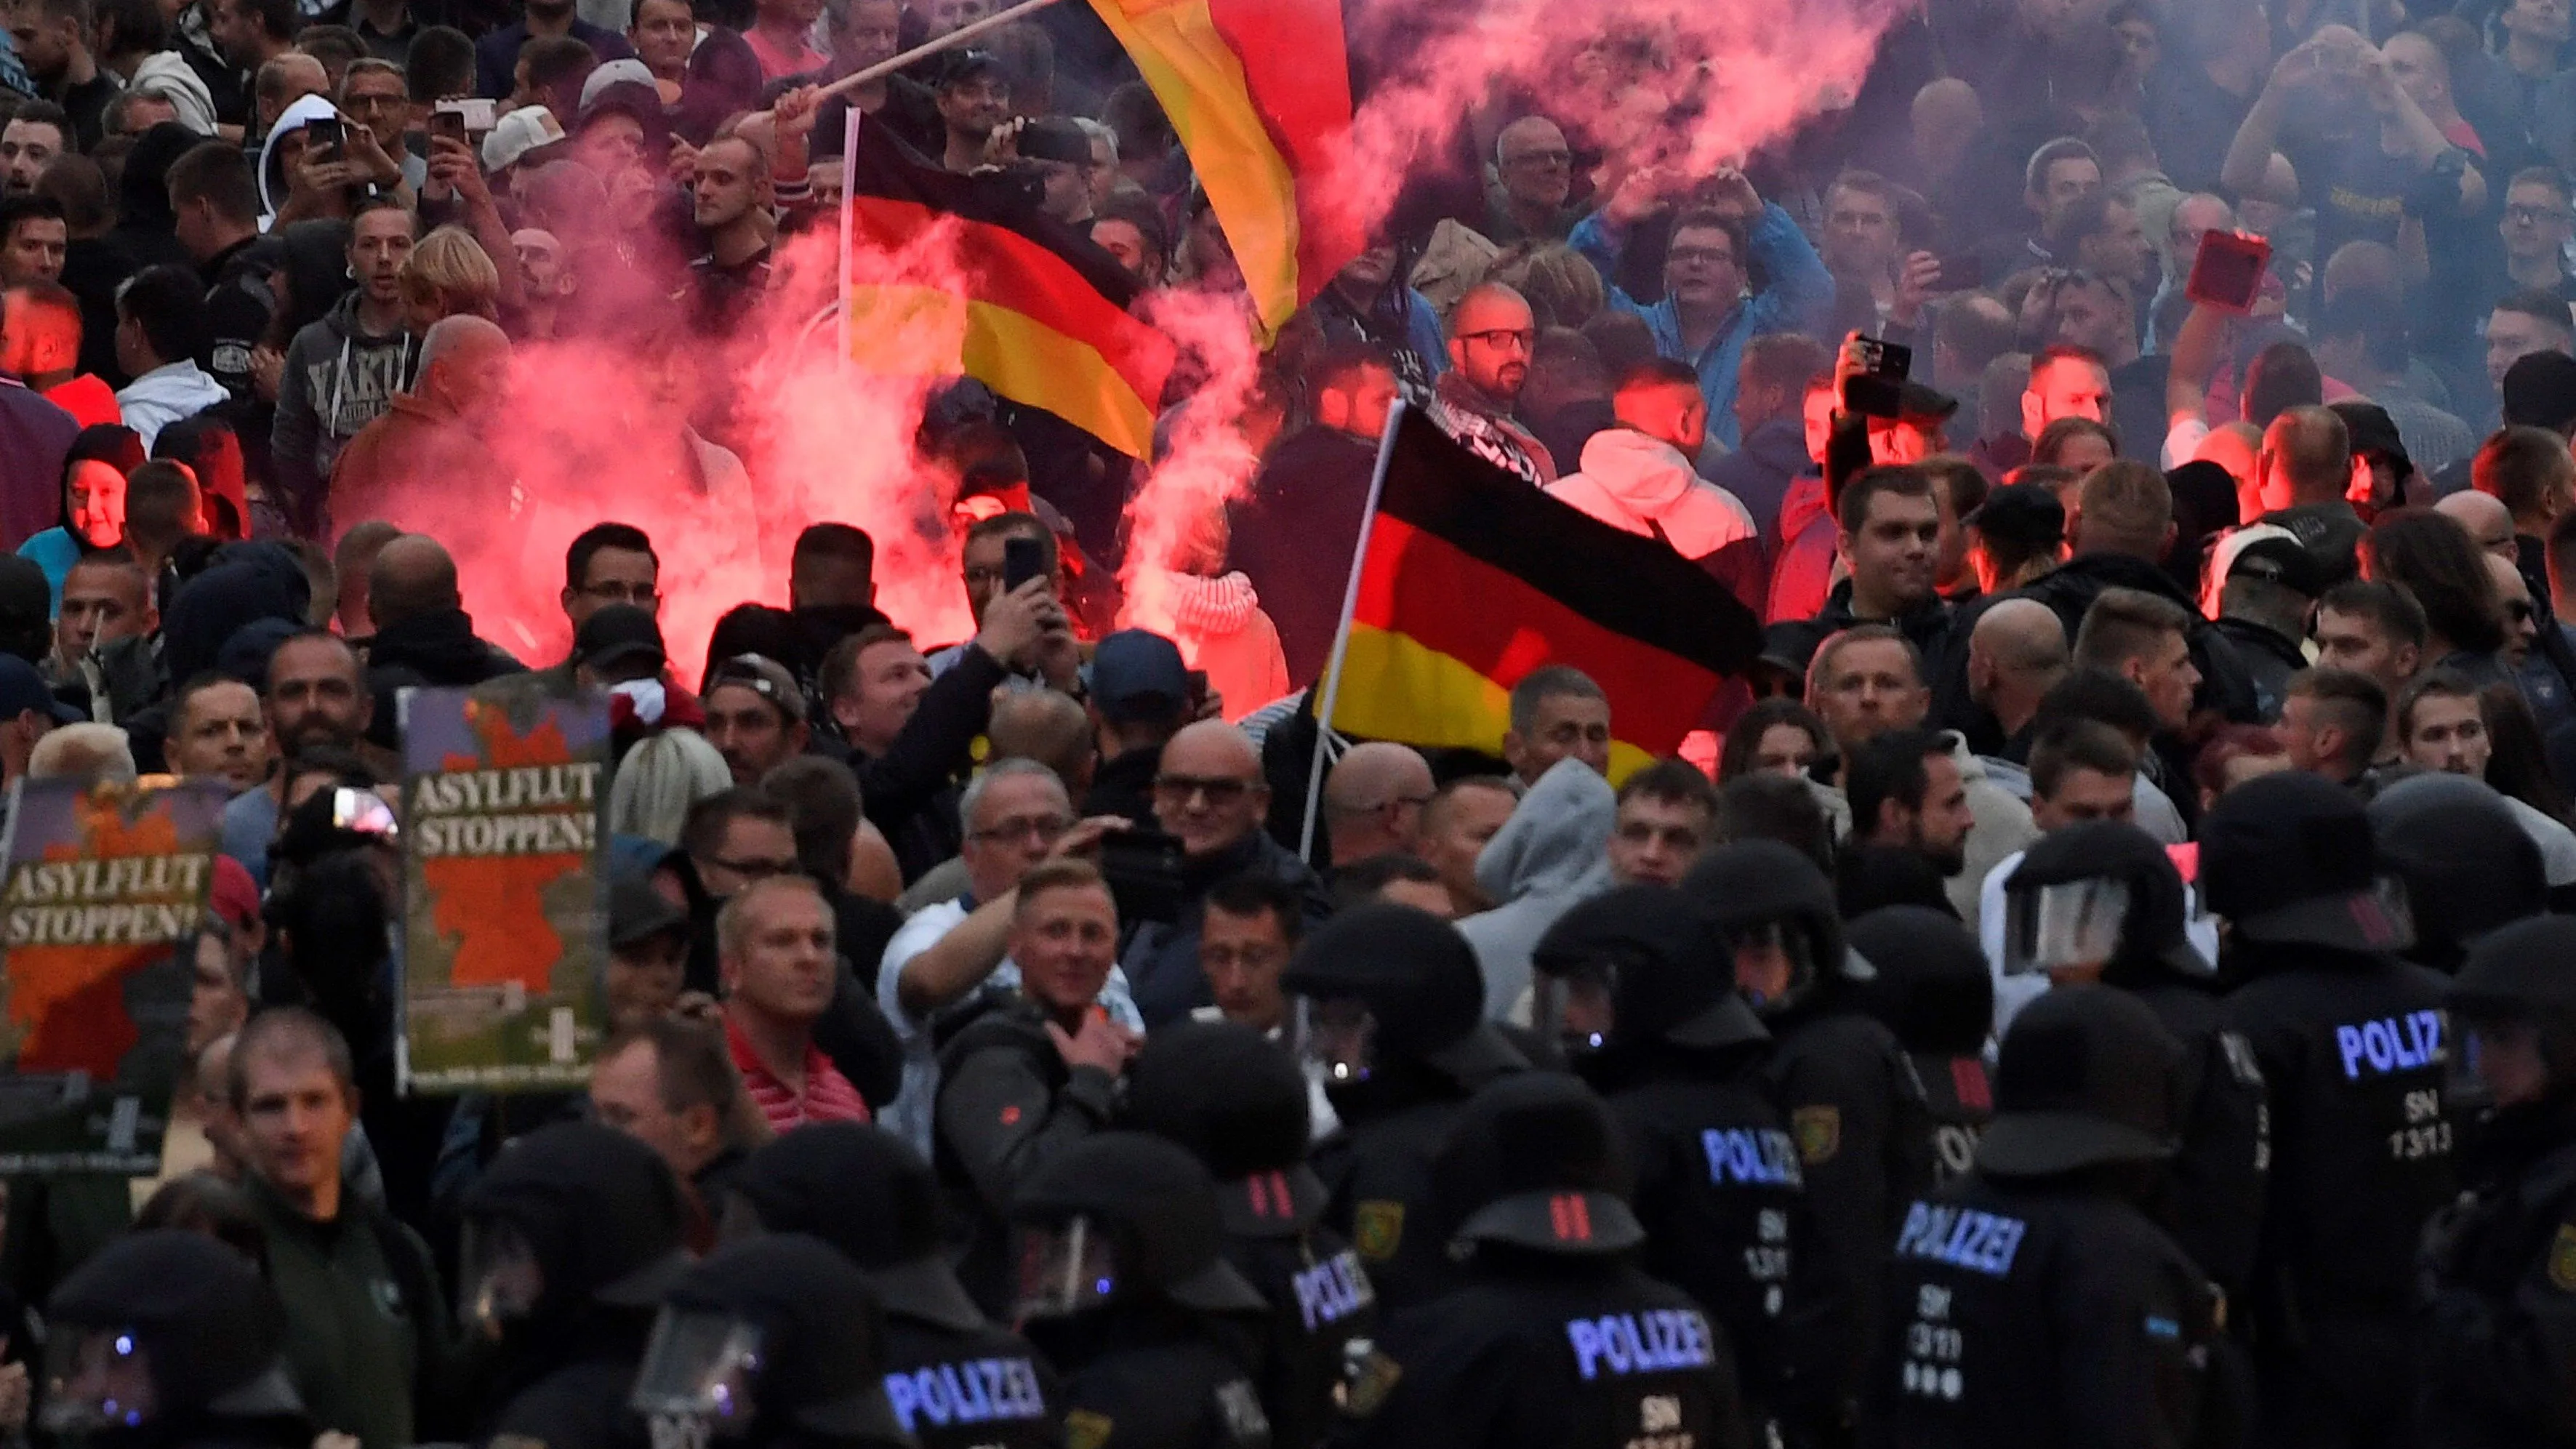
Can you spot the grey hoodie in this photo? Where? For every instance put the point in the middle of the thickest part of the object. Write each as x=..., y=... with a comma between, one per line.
x=1551, y=856
x=336, y=381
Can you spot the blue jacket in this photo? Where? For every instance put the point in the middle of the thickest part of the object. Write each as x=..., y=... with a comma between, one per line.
x=1799, y=299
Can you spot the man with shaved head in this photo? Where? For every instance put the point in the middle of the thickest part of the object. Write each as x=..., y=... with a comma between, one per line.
x=2305, y=473
x=423, y=634
x=1373, y=800
x=1210, y=794
x=2489, y=522
x=423, y=463
x=2016, y=651
x=1491, y=335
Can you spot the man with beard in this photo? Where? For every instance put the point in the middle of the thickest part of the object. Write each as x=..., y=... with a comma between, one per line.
x=1491, y=333
x=317, y=700
x=1907, y=795
x=974, y=98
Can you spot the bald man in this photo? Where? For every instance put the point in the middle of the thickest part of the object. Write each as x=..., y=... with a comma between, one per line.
x=423, y=634
x=1210, y=794
x=1536, y=169
x=2489, y=522
x=1491, y=334
x=2305, y=472
x=1373, y=801
x=2015, y=653
x=423, y=463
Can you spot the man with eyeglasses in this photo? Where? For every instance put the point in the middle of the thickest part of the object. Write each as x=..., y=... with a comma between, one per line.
x=1211, y=795
x=1534, y=174
x=953, y=957
x=607, y=563
x=1373, y=801
x=1491, y=334
x=2537, y=226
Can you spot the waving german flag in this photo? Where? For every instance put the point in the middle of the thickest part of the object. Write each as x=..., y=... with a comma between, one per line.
x=1259, y=92
x=1472, y=579
x=1019, y=302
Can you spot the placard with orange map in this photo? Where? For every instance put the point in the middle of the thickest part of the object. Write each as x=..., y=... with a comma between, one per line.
x=100, y=891
x=503, y=871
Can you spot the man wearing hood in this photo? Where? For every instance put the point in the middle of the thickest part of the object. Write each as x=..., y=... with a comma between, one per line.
x=423, y=634
x=1552, y=855
x=342, y=372
x=146, y=229
x=1637, y=477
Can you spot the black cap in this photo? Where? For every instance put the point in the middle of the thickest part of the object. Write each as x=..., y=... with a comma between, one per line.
x=2468, y=865
x=2291, y=859
x=2282, y=561
x=822, y=1338
x=1420, y=980
x=1238, y=1102
x=2519, y=969
x=2022, y=516
x=25, y=595
x=2153, y=934
x=22, y=689
x=965, y=65
x=211, y=1325
x=617, y=634
x=1933, y=989
x=637, y=912
x=2086, y=1076
x=1534, y=1161
x=1663, y=988
x=1161, y=1202
x=600, y=1209
x=2540, y=391
x=2374, y=434
x=868, y=1194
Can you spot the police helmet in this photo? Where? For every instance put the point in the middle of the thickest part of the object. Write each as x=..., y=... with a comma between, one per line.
x=1389, y=983
x=1535, y=1161
x=2087, y=1076
x=2468, y=865
x=770, y=1338
x=1630, y=966
x=1238, y=1103
x=159, y=1329
x=572, y=1213
x=2516, y=990
x=1933, y=988
x=868, y=1194
x=2097, y=893
x=2291, y=859
x=1761, y=899
x=1119, y=1217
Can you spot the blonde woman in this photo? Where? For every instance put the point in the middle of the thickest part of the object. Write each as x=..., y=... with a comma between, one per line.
x=448, y=275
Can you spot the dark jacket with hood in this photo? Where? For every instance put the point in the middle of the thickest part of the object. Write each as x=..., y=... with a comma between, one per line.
x=1760, y=472
x=438, y=649
x=1162, y=957
x=1927, y=625
x=1008, y=1103
x=2071, y=588
x=146, y=228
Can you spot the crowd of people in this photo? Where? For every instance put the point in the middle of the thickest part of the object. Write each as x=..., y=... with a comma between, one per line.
x=2096, y=978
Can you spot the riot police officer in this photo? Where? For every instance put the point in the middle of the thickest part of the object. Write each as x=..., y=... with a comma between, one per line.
x=2033, y=1302
x=1238, y=1102
x=1553, y=1338
x=2099, y=900
x=2468, y=864
x=1123, y=1284
x=952, y=1378
x=773, y=1342
x=167, y=1340
x=2351, y=1043
x=1394, y=1019
x=1678, y=1058
x=2500, y=1359
x=570, y=1238
x=1934, y=991
x=1854, y=1106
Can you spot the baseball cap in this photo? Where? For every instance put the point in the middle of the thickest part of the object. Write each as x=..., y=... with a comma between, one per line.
x=2540, y=391
x=1135, y=672
x=966, y=65
x=235, y=897
x=628, y=69
x=763, y=676
x=22, y=689
x=2275, y=557
x=2374, y=434
x=517, y=134
x=2022, y=515
x=617, y=634
x=637, y=912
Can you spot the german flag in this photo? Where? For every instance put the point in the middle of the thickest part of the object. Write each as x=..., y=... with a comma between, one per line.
x=1472, y=579
x=1259, y=93
x=1042, y=318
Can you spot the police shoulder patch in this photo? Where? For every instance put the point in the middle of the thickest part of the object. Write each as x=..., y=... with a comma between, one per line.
x=1819, y=1131
x=2562, y=1259
x=1370, y=1380
x=1377, y=1227
x=1084, y=1429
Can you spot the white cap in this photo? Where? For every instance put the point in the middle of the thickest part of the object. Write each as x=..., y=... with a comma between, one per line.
x=517, y=134
x=627, y=69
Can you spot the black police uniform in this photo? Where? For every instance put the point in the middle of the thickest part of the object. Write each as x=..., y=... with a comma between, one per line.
x=2352, y=1044
x=1007, y=1104
x=1167, y=1357
x=1933, y=990
x=1239, y=1104
x=2034, y=1303
x=2468, y=864
x=1420, y=982
x=2216, y=1182
x=1553, y=1339
x=812, y=1378
x=953, y=1379
x=212, y=1335
x=2500, y=1265
x=607, y=1225
x=1718, y=1187
x=1854, y=1105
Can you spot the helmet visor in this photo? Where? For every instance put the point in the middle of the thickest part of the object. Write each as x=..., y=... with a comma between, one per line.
x=1774, y=964
x=1064, y=1268
x=700, y=1365
x=498, y=1277
x=2068, y=924
x=1337, y=1039
x=2494, y=1062
x=1575, y=1010
x=96, y=1379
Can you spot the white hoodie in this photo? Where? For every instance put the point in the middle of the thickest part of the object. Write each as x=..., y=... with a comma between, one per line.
x=167, y=75
x=1642, y=485
x=165, y=395
x=273, y=184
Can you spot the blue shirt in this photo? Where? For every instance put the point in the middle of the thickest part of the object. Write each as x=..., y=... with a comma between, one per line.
x=1799, y=299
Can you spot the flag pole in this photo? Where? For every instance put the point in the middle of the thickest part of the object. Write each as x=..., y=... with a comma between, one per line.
x=950, y=41
x=1342, y=630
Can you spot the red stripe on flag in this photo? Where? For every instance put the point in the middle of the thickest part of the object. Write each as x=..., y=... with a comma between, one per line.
x=1297, y=69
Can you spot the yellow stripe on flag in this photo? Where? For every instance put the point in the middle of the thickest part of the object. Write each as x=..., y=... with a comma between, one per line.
x=1394, y=687
x=923, y=331
x=1201, y=84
